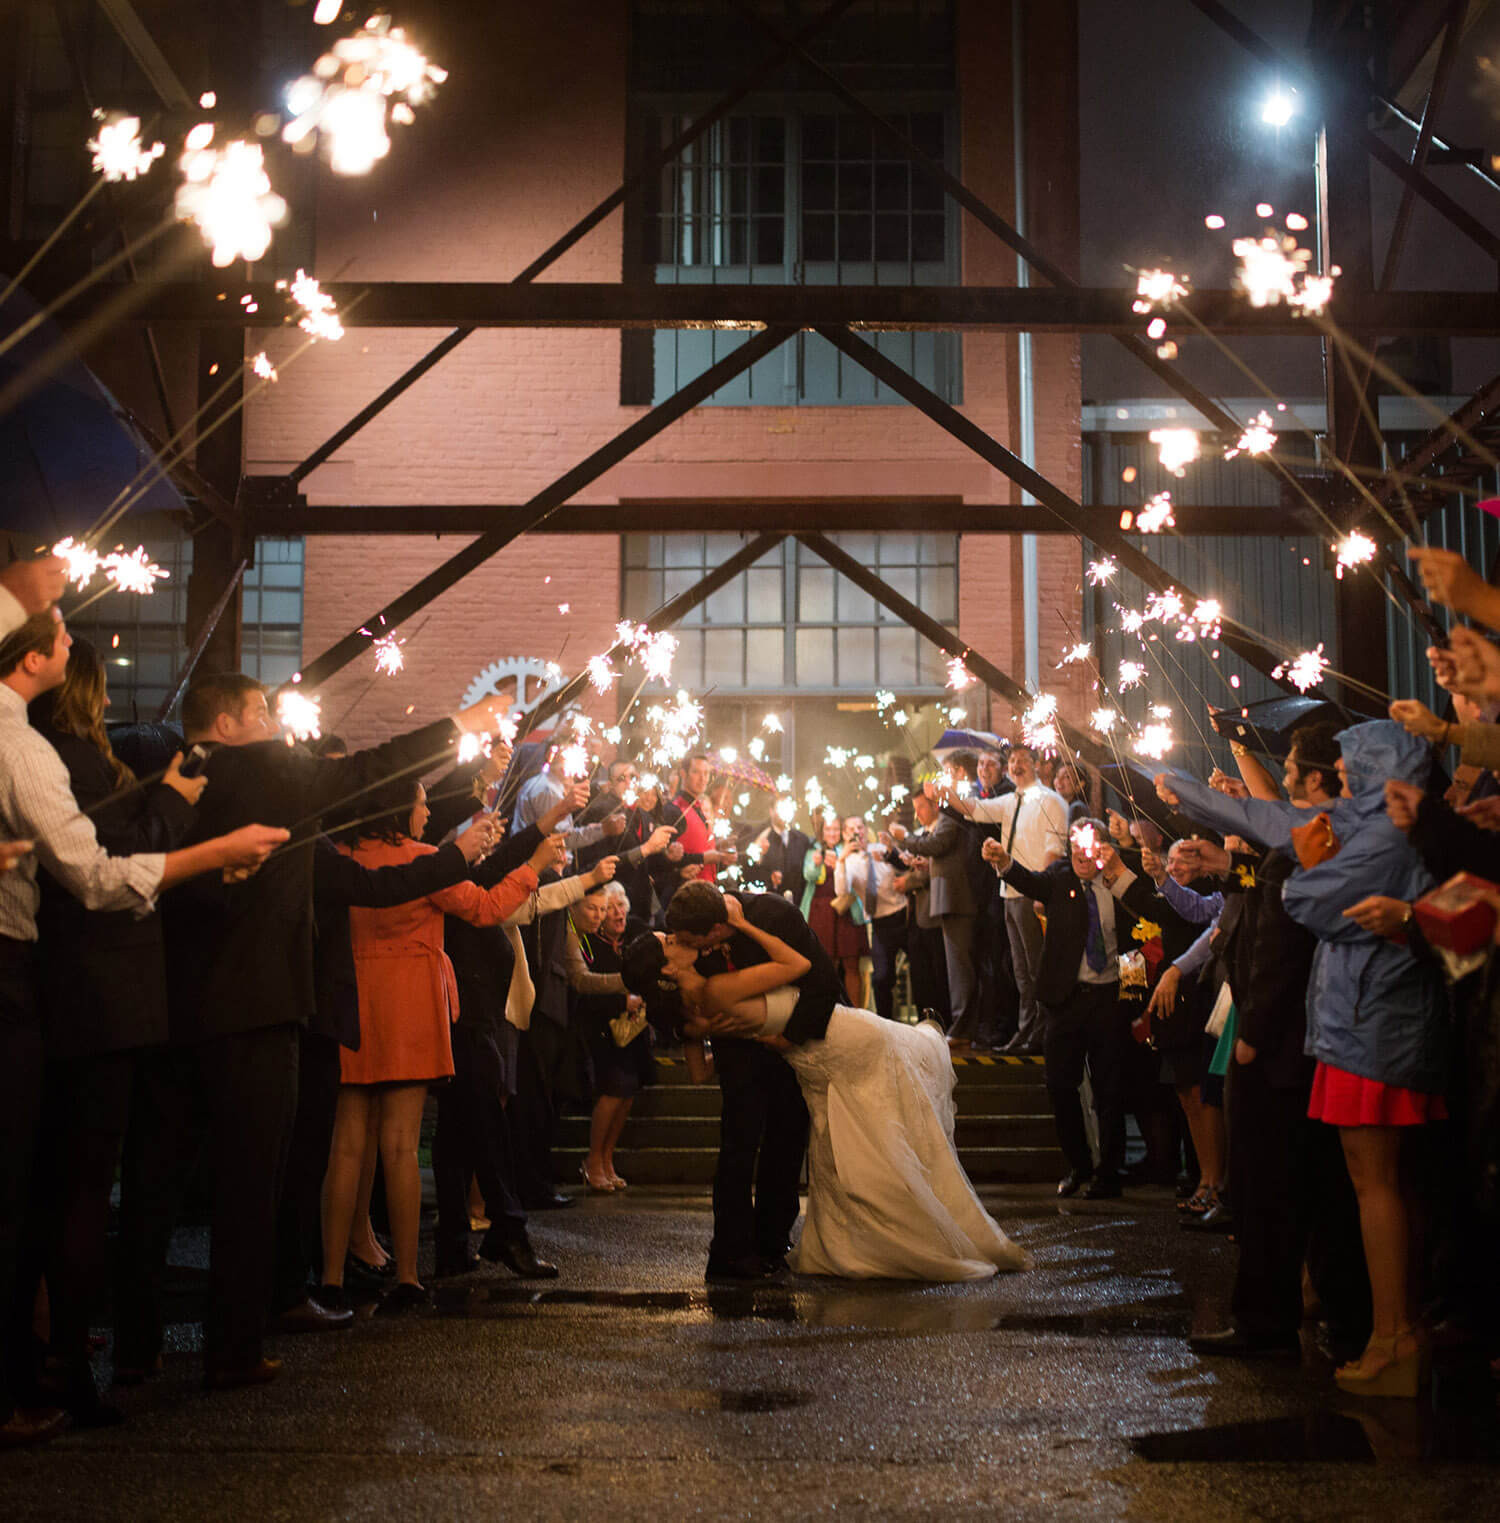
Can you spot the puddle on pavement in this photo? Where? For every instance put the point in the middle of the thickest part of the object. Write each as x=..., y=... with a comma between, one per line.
x=895, y=1310
x=1391, y=1432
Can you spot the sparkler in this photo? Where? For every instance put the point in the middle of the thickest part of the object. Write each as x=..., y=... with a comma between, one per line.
x=772, y=723
x=1154, y=741
x=1274, y=269
x=1074, y=653
x=1103, y=720
x=1177, y=448
x=1039, y=723
x=1259, y=438
x=1305, y=670
x=118, y=151
x=600, y=673
x=1354, y=549
x=959, y=676
x=300, y=715
x=1101, y=571
x=471, y=746
x=227, y=195
x=80, y=561
x=261, y=366
x=319, y=310
x=1156, y=515
x=575, y=760
x=365, y=79
x=388, y=657
x=1132, y=674
x=133, y=572
x=1157, y=288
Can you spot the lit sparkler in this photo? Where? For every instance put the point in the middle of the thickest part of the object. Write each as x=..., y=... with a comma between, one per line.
x=471, y=746
x=1039, y=723
x=1132, y=674
x=575, y=761
x=227, y=195
x=1259, y=438
x=1154, y=741
x=1104, y=720
x=785, y=810
x=1274, y=269
x=600, y=673
x=118, y=151
x=959, y=676
x=1075, y=653
x=261, y=366
x=300, y=715
x=319, y=310
x=1354, y=549
x=1157, y=288
x=388, y=657
x=1177, y=448
x=134, y=571
x=1156, y=515
x=80, y=561
x=1101, y=571
x=364, y=80
x=772, y=724
x=1305, y=670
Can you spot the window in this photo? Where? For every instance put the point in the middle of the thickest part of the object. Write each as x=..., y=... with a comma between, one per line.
x=271, y=612
x=799, y=192
x=791, y=621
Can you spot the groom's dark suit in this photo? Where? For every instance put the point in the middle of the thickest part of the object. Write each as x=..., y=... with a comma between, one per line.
x=763, y=1127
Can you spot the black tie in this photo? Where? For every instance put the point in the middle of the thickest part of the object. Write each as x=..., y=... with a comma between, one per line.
x=1015, y=820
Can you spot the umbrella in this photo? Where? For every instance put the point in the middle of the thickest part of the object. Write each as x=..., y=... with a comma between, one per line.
x=742, y=771
x=968, y=740
x=67, y=448
x=1268, y=724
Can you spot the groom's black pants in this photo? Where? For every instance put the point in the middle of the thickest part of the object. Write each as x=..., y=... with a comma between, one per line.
x=762, y=1141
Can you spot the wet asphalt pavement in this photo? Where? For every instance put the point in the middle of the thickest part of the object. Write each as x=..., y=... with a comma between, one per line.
x=627, y=1389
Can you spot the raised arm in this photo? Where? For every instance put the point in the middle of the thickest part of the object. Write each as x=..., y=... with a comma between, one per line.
x=725, y=991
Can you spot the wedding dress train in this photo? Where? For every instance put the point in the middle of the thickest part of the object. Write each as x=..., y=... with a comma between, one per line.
x=887, y=1198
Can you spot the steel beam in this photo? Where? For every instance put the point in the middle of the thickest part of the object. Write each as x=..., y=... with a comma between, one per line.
x=753, y=515
x=1028, y=309
x=546, y=502
x=586, y=224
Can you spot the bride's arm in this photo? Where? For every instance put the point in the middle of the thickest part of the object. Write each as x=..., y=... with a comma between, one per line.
x=727, y=991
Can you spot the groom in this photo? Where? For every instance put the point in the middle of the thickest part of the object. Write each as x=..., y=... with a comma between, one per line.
x=763, y=1125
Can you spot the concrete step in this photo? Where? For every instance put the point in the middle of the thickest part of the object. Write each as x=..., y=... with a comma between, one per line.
x=695, y=1166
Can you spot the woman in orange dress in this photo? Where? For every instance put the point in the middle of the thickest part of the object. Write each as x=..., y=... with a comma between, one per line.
x=407, y=1000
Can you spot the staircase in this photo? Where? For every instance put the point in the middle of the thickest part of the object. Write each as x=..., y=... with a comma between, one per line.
x=1005, y=1133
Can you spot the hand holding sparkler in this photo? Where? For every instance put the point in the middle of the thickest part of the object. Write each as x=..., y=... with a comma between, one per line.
x=995, y=854
x=36, y=585
x=1417, y=719
x=1204, y=859
x=1485, y=813
x=614, y=825
x=1232, y=787
x=551, y=853
x=1164, y=792
x=190, y=788
x=659, y=840
x=603, y=870
x=1449, y=579
x=1153, y=866
x=1402, y=800
x=1476, y=663
x=479, y=839
x=1119, y=827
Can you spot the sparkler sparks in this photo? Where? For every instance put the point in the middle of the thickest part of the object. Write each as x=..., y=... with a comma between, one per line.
x=1132, y=674
x=772, y=724
x=1157, y=288
x=388, y=657
x=1259, y=438
x=118, y=151
x=601, y=674
x=129, y=571
x=575, y=760
x=1154, y=741
x=227, y=195
x=959, y=676
x=1177, y=448
x=319, y=310
x=471, y=746
x=1074, y=653
x=1354, y=549
x=365, y=79
x=1039, y=723
x=80, y=561
x=1156, y=515
x=1274, y=269
x=1305, y=670
x=300, y=715
x=1101, y=571
x=261, y=366
x=1103, y=720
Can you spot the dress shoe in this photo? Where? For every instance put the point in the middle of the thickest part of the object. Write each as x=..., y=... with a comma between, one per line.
x=1235, y=1343
x=26, y=1426
x=557, y=1201
x=230, y=1377
x=404, y=1298
x=518, y=1256
x=455, y=1259
x=1104, y=1187
x=1072, y=1182
x=747, y=1271
x=309, y=1316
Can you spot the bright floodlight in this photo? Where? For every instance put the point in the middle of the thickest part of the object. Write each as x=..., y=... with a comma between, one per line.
x=1278, y=110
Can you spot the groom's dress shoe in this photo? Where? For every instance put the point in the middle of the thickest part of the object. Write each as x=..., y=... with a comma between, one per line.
x=749, y=1270
x=1235, y=1343
x=1072, y=1182
x=310, y=1316
x=518, y=1256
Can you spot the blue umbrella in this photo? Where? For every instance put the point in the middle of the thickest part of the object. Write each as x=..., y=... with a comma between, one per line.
x=968, y=740
x=67, y=449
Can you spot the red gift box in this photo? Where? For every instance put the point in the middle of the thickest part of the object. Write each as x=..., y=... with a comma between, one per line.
x=1459, y=915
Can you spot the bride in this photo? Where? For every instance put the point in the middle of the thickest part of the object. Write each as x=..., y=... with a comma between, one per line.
x=888, y=1198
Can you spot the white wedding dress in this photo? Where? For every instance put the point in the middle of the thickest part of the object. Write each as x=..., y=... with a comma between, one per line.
x=887, y=1198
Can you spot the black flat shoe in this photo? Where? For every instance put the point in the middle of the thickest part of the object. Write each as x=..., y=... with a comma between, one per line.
x=1072, y=1182
x=518, y=1256
x=1104, y=1187
x=1235, y=1343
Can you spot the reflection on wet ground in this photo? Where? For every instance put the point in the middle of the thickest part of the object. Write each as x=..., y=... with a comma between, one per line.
x=892, y=1306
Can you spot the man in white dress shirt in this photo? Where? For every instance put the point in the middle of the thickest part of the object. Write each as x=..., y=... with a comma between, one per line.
x=1033, y=824
x=865, y=875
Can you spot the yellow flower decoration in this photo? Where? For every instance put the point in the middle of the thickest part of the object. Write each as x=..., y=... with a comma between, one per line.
x=1146, y=930
x=1246, y=875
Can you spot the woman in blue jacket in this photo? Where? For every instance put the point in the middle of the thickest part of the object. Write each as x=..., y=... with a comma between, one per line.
x=1375, y=1014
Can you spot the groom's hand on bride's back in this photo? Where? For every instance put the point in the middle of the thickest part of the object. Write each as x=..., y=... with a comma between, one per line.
x=733, y=1023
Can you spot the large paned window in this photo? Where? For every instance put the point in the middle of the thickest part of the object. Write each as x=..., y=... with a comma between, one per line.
x=791, y=622
x=796, y=190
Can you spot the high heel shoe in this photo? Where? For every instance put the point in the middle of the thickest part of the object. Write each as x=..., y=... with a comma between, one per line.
x=595, y=1187
x=616, y=1183
x=1388, y=1367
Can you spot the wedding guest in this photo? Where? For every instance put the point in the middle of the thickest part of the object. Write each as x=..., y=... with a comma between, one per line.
x=868, y=880
x=783, y=854
x=696, y=834
x=407, y=1001
x=823, y=908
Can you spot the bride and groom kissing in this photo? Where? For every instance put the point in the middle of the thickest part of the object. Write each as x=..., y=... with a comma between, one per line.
x=869, y=1100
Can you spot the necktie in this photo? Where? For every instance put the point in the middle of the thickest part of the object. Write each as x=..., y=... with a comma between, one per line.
x=869, y=893
x=1093, y=946
x=1015, y=820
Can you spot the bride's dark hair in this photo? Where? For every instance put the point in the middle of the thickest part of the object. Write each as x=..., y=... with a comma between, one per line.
x=643, y=972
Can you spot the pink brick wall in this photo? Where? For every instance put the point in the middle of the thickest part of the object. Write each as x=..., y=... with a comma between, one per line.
x=511, y=410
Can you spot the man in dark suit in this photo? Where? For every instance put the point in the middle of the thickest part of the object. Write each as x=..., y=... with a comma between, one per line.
x=779, y=870
x=1091, y=902
x=240, y=986
x=763, y=1126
